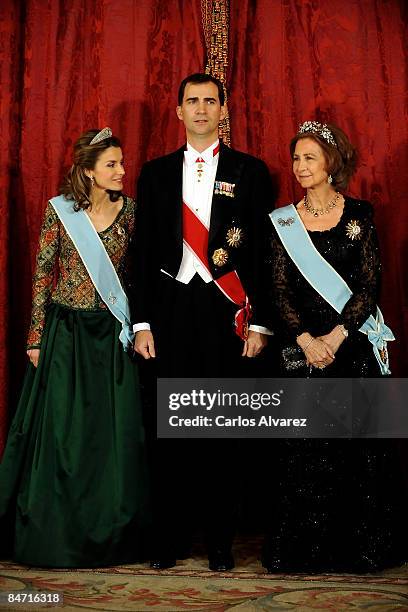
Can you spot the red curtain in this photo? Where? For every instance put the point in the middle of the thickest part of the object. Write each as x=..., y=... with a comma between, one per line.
x=10, y=53
x=66, y=67
x=71, y=65
x=344, y=62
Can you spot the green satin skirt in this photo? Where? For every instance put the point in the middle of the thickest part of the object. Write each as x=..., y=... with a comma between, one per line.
x=74, y=471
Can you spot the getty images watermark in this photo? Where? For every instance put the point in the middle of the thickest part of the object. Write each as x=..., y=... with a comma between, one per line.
x=222, y=399
x=282, y=408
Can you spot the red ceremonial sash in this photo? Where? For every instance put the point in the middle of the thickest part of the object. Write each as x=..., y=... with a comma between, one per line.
x=195, y=235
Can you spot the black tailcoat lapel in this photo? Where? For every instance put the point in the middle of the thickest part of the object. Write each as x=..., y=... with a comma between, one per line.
x=173, y=187
x=229, y=170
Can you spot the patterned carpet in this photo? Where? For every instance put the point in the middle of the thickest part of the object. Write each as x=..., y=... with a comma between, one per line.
x=191, y=586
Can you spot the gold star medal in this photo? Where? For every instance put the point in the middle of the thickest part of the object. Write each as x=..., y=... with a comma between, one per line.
x=220, y=257
x=234, y=237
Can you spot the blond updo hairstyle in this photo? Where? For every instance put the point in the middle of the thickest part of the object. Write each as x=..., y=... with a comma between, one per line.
x=340, y=162
x=76, y=184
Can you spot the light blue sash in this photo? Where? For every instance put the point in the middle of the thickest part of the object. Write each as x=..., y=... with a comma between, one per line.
x=324, y=278
x=97, y=262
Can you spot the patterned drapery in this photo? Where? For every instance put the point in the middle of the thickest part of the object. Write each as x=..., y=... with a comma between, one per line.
x=216, y=34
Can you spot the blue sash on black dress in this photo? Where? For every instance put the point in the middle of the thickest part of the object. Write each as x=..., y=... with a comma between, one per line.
x=324, y=278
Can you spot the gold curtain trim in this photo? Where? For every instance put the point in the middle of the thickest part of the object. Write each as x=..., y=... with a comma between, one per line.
x=215, y=16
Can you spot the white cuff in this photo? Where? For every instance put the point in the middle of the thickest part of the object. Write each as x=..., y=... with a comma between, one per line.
x=141, y=327
x=261, y=330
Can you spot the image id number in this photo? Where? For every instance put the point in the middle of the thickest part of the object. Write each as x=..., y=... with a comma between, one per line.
x=32, y=597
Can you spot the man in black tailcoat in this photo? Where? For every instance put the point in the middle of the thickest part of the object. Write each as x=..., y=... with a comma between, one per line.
x=201, y=221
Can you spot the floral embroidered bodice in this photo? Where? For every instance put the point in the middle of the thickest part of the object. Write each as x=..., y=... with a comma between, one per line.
x=60, y=275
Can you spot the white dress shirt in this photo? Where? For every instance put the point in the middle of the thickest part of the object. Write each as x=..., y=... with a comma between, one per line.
x=198, y=188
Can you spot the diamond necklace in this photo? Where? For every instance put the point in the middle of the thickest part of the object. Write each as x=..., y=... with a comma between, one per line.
x=320, y=211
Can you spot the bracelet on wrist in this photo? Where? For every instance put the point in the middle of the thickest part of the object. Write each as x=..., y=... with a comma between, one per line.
x=343, y=330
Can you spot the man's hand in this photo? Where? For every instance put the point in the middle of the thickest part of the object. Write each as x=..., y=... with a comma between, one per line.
x=254, y=344
x=34, y=355
x=144, y=344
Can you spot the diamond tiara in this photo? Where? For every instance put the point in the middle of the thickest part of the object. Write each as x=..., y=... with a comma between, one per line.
x=318, y=128
x=102, y=135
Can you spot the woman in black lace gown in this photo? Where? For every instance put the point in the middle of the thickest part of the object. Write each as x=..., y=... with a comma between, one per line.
x=338, y=501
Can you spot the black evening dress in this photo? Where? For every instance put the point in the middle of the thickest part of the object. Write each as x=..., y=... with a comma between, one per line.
x=338, y=502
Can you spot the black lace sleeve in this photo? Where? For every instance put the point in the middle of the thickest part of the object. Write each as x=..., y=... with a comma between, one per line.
x=283, y=290
x=365, y=279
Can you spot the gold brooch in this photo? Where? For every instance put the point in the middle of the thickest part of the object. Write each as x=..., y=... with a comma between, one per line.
x=120, y=230
x=234, y=236
x=220, y=257
x=353, y=230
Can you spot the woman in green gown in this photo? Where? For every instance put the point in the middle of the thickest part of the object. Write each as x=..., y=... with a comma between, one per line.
x=73, y=476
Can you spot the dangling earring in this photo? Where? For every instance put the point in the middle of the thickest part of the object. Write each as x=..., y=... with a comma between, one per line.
x=92, y=180
x=330, y=179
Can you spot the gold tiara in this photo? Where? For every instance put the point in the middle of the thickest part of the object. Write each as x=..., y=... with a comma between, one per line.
x=102, y=135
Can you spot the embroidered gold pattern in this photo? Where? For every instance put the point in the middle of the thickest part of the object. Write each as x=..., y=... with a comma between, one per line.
x=74, y=288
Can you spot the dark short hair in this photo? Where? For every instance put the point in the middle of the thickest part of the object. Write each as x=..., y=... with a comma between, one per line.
x=340, y=161
x=197, y=78
x=76, y=184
